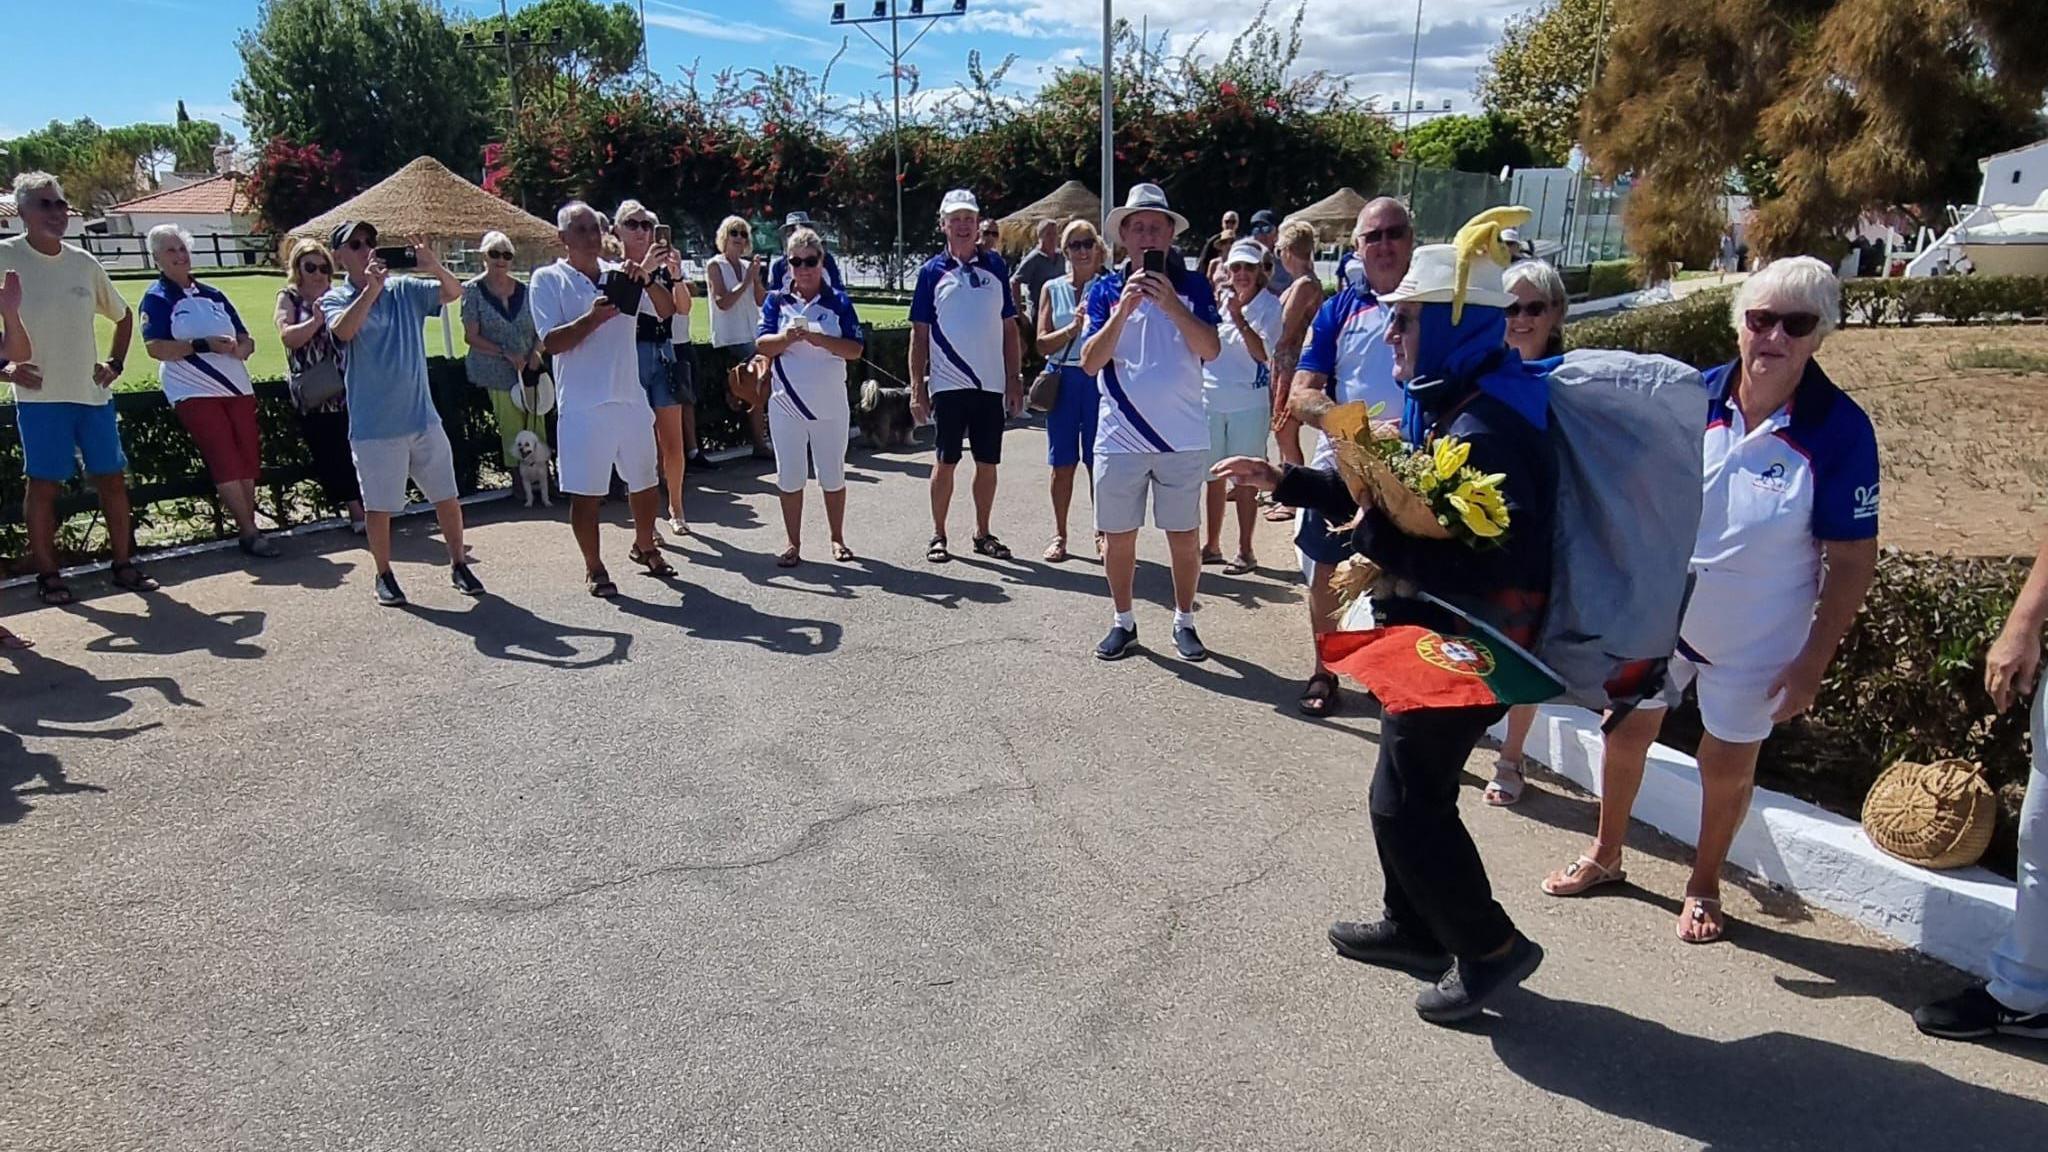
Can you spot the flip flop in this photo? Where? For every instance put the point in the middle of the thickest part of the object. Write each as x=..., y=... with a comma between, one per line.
x=1056, y=552
x=1319, y=697
x=1695, y=912
x=841, y=552
x=1582, y=876
x=1211, y=558
x=1279, y=512
x=1244, y=565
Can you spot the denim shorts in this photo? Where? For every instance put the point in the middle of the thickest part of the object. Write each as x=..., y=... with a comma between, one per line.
x=656, y=357
x=1070, y=426
x=55, y=434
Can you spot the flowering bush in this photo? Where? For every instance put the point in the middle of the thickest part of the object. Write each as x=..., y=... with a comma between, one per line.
x=292, y=183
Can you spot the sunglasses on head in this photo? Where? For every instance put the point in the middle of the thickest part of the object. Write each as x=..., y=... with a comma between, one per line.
x=1797, y=325
x=1534, y=309
x=805, y=261
x=1391, y=233
x=636, y=224
x=311, y=269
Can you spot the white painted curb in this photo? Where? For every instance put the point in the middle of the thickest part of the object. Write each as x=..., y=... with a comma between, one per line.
x=1955, y=916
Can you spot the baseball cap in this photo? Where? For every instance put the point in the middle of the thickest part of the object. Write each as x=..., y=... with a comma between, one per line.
x=959, y=200
x=1264, y=221
x=348, y=228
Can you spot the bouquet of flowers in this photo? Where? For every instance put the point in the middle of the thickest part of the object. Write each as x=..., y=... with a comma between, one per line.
x=1427, y=492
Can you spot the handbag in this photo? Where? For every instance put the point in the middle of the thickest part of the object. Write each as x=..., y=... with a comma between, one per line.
x=746, y=384
x=314, y=384
x=1044, y=392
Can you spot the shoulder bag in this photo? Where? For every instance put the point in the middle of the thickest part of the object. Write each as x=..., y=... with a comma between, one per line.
x=314, y=383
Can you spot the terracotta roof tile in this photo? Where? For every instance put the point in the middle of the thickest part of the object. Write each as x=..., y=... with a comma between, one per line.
x=213, y=194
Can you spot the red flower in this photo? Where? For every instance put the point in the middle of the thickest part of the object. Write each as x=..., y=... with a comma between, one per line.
x=1272, y=105
x=1228, y=88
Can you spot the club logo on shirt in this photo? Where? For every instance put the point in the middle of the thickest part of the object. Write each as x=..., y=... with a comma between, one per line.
x=1771, y=479
x=1454, y=655
x=1866, y=502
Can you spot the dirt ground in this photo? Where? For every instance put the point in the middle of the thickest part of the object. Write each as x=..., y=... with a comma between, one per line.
x=1964, y=449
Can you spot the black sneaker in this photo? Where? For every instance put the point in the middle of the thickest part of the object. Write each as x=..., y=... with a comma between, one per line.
x=1384, y=944
x=465, y=581
x=1189, y=645
x=1975, y=1014
x=702, y=463
x=389, y=594
x=1466, y=988
x=1117, y=644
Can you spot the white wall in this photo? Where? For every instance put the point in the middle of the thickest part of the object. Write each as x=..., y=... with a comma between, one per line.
x=129, y=229
x=2016, y=177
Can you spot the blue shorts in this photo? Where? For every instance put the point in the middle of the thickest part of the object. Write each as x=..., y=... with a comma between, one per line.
x=656, y=358
x=55, y=434
x=1313, y=536
x=1070, y=426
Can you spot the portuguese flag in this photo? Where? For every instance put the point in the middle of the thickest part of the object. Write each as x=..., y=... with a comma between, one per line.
x=1409, y=667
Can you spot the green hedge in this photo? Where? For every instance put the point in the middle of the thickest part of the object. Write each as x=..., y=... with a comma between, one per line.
x=1610, y=278
x=1957, y=299
x=1694, y=330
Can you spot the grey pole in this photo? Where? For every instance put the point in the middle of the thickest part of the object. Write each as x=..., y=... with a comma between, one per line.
x=896, y=138
x=1108, y=132
x=1414, y=52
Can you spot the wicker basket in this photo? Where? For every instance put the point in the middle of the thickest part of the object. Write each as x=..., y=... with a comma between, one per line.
x=1365, y=471
x=1937, y=815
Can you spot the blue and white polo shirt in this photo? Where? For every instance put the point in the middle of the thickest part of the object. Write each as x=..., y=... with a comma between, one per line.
x=170, y=312
x=1348, y=343
x=806, y=381
x=1152, y=385
x=1771, y=495
x=969, y=307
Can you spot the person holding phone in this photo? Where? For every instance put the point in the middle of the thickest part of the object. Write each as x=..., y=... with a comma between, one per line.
x=809, y=333
x=586, y=308
x=379, y=321
x=1151, y=324
x=497, y=323
x=654, y=342
x=737, y=285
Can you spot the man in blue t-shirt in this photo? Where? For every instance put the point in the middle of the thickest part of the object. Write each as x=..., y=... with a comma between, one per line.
x=1148, y=333
x=379, y=321
x=966, y=363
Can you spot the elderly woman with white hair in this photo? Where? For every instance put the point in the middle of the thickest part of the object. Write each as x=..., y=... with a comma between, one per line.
x=497, y=324
x=809, y=331
x=202, y=347
x=1786, y=551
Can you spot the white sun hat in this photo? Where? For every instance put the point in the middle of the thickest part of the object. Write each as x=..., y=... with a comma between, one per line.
x=1468, y=270
x=1146, y=198
x=958, y=200
x=1246, y=252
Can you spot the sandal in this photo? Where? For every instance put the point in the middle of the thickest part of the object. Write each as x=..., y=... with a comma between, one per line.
x=600, y=584
x=51, y=589
x=130, y=578
x=1244, y=565
x=1508, y=781
x=1056, y=552
x=789, y=558
x=12, y=643
x=656, y=564
x=1694, y=914
x=1582, y=876
x=936, y=551
x=991, y=547
x=1279, y=513
x=1209, y=557
x=1320, y=696
x=841, y=552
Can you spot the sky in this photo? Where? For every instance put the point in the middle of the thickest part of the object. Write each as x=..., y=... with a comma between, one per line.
x=107, y=59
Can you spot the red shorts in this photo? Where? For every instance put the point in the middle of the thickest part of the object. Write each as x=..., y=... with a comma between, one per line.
x=224, y=427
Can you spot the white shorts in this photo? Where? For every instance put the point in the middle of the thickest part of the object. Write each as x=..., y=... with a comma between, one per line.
x=1735, y=702
x=1175, y=480
x=384, y=465
x=801, y=445
x=590, y=442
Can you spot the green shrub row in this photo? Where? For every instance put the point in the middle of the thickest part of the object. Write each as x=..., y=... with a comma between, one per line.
x=1694, y=330
x=1956, y=299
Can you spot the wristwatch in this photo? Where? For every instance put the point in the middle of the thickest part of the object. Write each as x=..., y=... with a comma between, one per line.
x=201, y=347
x=116, y=365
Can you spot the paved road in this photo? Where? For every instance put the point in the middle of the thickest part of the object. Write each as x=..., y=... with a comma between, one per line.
x=862, y=856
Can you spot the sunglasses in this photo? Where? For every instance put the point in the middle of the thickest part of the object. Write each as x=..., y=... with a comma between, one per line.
x=1083, y=245
x=1534, y=309
x=805, y=261
x=57, y=204
x=359, y=245
x=498, y=255
x=1797, y=325
x=311, y=269
x=1391, y=234
x=636, y=224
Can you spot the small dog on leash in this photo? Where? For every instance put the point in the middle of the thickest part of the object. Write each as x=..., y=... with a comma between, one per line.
x=884, y=416
x=533, y=466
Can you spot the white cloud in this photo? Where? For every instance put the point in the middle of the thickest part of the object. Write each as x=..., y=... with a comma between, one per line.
x=695, y=22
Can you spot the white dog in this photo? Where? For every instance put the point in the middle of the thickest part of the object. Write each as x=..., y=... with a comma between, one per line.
x=533, y=466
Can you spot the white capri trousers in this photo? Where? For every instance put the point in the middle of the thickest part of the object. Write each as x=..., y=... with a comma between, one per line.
x=801, y=445
x=590, y=442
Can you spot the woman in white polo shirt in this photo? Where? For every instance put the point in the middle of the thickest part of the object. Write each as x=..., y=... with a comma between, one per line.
x=1237, y=389
x=809, y=332
x=1786, y=551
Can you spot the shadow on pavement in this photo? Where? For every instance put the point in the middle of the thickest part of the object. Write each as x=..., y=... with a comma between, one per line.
x=1252, y=683
x=839, y=581
x=1775, y=1090
x=169, y=627
x=19, y=767
x=706, y=615
x=49, y=699
x=871, y=460
x=306, y=569
x=503, y=630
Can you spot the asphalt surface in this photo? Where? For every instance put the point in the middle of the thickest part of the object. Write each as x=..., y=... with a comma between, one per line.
x=869, y=855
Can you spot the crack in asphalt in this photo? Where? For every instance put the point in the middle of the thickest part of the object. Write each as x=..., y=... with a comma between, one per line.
x=812, y=836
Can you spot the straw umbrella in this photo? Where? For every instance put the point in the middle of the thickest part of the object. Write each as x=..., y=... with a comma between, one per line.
x=1333, y=216
x=424, y=198
x=1070, y=201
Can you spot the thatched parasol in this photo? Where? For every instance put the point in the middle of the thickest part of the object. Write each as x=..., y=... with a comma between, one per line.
x=1333, y=216
x=1070, y=201
x=424, y=198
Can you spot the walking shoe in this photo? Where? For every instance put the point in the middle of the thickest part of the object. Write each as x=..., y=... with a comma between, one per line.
x=465, y=581
x=1117, y=644
x=1385, y=944
x=1975, y=1014
x=1466, y=988
x=702, y=463
x=388, y=592
x=1189, y=645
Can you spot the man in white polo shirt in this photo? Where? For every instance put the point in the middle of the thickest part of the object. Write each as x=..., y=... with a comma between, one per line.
x=966, y=360
x=1149, y=332
x=605, y=421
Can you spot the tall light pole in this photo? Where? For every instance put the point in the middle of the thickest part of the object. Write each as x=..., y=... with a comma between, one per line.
x=1108, y=131
x=1414, y=54
x=885, y=12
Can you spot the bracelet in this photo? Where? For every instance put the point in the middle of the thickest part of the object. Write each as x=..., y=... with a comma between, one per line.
x=199, y=347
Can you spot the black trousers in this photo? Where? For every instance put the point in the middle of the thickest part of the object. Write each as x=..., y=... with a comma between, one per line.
x=334, y=464
x=1436, y=884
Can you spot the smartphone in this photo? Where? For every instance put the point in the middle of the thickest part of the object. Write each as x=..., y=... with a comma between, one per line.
x=662, y=234
x=1155, y=261
x=400, y=256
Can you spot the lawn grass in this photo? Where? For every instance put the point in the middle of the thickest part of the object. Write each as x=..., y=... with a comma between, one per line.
x=254, y=295
x=2003, y=359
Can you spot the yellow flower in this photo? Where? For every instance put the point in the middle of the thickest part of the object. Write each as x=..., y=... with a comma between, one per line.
x=1476, y=519
x=1451, y=454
